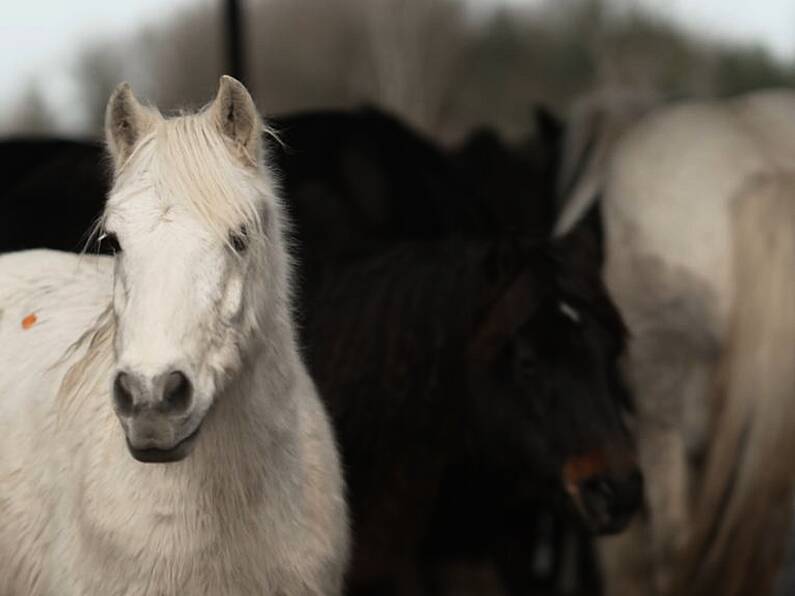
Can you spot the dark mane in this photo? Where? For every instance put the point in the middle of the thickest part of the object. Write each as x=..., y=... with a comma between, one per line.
x=398, y=324
x=361, y=180
x=438, y=290
x=358, y=182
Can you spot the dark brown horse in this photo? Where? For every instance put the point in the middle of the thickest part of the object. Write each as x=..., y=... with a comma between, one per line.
x=465, y=378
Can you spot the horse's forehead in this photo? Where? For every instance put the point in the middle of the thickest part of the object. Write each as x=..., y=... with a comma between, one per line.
x=152, y=221
x=143, y=205
x=177, y=176
x=149, y=205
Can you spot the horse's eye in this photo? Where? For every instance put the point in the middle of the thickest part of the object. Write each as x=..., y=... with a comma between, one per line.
x=239, y=240
x=110, y=241
x=571, y=313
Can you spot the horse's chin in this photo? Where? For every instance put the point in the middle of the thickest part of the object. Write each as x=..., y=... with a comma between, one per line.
x=607, y=525
x=176, y=453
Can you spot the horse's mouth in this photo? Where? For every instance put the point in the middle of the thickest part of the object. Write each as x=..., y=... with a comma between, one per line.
x=607, y=525
x=155, y=455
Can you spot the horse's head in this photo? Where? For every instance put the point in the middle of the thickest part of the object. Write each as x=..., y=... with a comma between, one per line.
x=191, y=220
x=552, y=387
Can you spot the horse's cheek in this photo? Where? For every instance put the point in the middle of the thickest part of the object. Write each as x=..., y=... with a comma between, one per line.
x=120, y=292
x=232, y=300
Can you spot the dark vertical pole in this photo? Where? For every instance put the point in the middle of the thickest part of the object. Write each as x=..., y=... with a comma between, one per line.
x=235, y=40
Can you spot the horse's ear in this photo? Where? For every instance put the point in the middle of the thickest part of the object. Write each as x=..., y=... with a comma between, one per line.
x=582, y=247
x=237, y=119
x=126, y=122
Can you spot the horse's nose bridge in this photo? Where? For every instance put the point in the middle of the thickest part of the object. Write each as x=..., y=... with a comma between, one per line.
x=148, y=338
x=154, y=324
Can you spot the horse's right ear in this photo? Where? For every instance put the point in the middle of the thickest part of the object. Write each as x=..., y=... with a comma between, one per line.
x=126, y=122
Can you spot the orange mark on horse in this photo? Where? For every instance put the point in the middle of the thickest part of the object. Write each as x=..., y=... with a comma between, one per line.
x=29, y=321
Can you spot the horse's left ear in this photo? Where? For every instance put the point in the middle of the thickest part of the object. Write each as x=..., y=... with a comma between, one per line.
x=237, y=119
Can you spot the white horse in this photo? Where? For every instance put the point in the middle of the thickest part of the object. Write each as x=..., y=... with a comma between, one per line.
x=698, y=205
x=179, y=349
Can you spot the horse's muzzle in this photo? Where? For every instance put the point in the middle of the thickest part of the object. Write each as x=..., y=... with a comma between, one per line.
x=158, y=414
x=607, y=499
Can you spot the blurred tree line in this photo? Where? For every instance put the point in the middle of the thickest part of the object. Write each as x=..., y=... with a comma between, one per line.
x=440, y=65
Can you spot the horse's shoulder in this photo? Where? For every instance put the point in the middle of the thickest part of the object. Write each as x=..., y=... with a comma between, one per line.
x=685, y=155
x=670, y=185
x=665, y=127
x=681, y=128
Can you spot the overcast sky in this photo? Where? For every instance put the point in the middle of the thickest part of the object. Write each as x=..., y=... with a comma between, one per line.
x=40, y=38
x=771, y=22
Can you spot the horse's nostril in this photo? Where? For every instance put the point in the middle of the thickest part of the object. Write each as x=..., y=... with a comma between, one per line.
x=177, y=393
x=610, y=502
x=122, y=395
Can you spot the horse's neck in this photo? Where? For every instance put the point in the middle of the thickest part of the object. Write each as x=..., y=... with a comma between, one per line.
x=254, y=420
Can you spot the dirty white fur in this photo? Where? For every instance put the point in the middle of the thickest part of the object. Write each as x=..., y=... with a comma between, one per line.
x=257, y=507
x=699, y=214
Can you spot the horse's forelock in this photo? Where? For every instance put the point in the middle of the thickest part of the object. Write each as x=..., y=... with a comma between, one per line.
x=186, y=160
